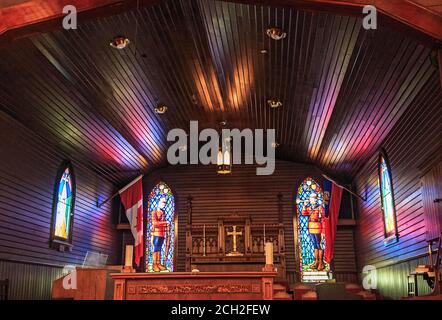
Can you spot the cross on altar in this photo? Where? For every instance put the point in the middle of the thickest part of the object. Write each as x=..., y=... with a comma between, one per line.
x=234, y=235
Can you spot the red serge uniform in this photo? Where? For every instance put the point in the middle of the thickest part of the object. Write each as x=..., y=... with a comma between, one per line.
x=314, y=220
x=158, y=223
x=315, y=215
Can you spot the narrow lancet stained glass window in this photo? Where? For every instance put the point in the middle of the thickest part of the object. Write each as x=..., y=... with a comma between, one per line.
x=160, y=233
x=64, y=204
x=387, y=199
x=311, y=242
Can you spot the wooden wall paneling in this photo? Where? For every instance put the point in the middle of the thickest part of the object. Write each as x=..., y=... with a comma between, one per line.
x=28, y=168
x=413, y=146
x=393, y=280
x=239, y=193
x=344, y=254
x=244, y=193
x=439, y=59
x=29, y=281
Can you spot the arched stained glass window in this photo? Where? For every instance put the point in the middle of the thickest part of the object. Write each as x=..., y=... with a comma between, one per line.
x=311, y=242
x=63, y=205
x=387, y=199
x=160, y=233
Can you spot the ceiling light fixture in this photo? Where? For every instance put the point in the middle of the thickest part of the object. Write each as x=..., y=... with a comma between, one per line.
x=194, y=99
x=119, y=42
x=161, y=109
x=276, y=33
x=274, y=103
x=224, y=158
x=275, y=144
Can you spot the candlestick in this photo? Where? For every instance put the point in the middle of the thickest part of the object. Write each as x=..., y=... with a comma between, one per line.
x=269, y=253
x=264, y=233
x=204, y=240
x=129, y=256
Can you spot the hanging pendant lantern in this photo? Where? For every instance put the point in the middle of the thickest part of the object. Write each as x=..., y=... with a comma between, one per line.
x=224, y=158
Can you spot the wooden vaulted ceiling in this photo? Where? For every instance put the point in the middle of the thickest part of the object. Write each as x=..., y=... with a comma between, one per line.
x=343, y=88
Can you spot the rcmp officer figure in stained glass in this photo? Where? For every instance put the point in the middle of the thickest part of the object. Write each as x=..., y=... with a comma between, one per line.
x=315, y=213
x=160, y=226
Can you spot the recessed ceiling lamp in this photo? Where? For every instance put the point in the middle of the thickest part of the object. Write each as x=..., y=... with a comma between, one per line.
x=194, y=99
x=160, y=109
x=263, y=51
x=119, y=42
x=276, y=33
x=274, y=103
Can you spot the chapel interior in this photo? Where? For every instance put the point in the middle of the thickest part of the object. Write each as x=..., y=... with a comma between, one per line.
x=352, y=210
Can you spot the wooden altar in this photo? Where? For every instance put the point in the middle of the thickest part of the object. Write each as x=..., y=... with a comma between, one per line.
x=194, y=286
x=233, y=244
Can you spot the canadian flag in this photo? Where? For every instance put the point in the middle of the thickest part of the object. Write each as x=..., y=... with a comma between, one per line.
x=132, y=199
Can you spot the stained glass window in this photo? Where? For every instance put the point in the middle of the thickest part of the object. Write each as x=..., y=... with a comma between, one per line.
x=387, y=199
x=64, y=204
x=160, y=233
x=311, y=242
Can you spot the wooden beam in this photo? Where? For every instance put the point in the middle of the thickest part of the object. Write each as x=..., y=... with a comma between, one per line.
x=29, y=17
x=35, y=11
x=412, y=15
x=35, y=16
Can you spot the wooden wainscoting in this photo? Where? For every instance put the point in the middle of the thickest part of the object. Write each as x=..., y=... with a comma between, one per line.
x=392, y=280
x=29, y=281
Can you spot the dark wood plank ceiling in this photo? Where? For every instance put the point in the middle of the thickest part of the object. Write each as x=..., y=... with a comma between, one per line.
x=343, y=88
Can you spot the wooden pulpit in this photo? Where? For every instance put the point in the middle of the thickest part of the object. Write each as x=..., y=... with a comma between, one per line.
x=85, y=284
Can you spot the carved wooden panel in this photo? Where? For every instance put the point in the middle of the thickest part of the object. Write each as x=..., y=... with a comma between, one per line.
x=190, y=286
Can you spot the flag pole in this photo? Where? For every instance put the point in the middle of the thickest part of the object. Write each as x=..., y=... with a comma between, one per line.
x=99, y=205
x=343, y=187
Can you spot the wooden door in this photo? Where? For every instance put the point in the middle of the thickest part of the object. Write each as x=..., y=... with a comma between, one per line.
x=432, y=198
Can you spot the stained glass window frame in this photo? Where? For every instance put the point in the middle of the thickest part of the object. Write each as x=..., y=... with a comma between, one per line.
x=303, y=261
x=57, y=242
x=392, y=236
x=147, y=233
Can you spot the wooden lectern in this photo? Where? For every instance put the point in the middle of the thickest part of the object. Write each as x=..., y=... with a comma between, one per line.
x=91, y=284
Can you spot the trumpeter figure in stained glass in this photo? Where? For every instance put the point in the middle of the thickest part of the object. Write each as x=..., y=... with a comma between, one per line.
x=315, y=213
